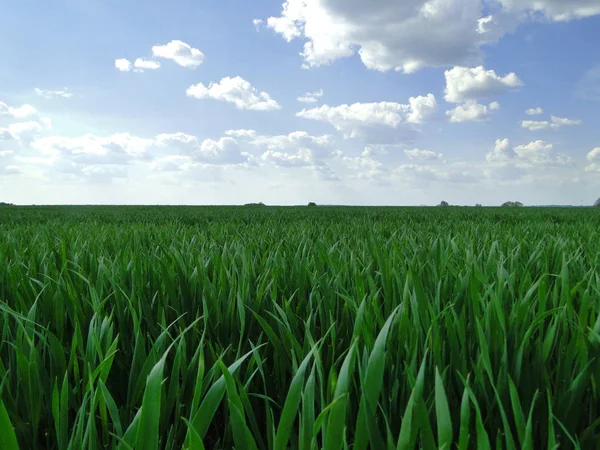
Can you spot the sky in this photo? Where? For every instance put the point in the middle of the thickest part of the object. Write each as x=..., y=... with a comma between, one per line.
x=358, y=102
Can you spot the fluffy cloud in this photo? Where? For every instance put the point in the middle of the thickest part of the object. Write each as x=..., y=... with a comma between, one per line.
x=353, y=119
x=241, y=134
x=171, y=163
x=558, y=122
x=534, y=111
x=224, y=151
x=89, y=149
x=502, y=151
x=554, y=123
x=427, y=155
x=142, y=64
x=471, y=111
x=302, y=158
x=237, y=91
x=534, y=151
x=180, y=52
x=139, y=65
x=387, y=34
x=558, y=10
x=534, y=154
x=594, y=158
x=18, y=113
x=123, y=65
x=594, y=155
x=464, y=84
x=296, y=139
x=411, y=34
x=49, y=94
x=535, y=125
x=311, y=97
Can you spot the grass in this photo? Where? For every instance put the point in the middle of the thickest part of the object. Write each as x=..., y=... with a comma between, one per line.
x=299, y=328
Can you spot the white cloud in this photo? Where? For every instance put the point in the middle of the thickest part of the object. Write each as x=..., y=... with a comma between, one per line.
x=594, y=167
x=534, y=151
x=531, y=155
x=502, y=151
x=534, y=111
x=170, y=163
x=421, y=108
x=311, y=97
x=534, y=125
x=183, y=143
x=558, y=10
x=555, y=123
x=388, y=34
x=319, y=146
x=89, y=149
x=353, y=119
x=594, y=155
x=471, y=111
x=558, y=122
x=142, y=64
x=18, y=113
x=241, y=134
x=224, y=151
x=302, y=158
x=258, y=23
x=49, y=94
x=237, y=91
x=123, y=65
x=24, y=132
x=426, y=155
x=180, y=52
x=464, y=84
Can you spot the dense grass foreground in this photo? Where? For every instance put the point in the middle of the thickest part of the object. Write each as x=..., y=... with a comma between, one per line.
x=299, y=328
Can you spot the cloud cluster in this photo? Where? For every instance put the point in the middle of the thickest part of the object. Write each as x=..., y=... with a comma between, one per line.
x=464, y=84
x=408, y=35
x=388, y=34
x=554, y=123
x=356, y=119
x=471, y=111
x=557, y=10
x=139, y=65
x=176, y=50
x=237, y=91
x=534, y=154
x=180, y=52
x=20, y=112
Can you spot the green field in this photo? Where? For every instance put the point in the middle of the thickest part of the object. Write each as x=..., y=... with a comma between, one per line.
x=299, y=328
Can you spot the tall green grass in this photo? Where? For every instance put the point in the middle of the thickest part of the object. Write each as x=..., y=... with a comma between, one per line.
x=299, y=328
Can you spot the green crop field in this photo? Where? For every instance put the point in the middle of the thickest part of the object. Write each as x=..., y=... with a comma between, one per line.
x=299, y=328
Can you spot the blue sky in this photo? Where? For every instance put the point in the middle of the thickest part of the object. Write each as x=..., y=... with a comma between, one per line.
x=416, y=102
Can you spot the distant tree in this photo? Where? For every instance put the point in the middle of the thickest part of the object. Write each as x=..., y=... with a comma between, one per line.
x=312, y=204
x=597, y=203
x=6, y=204
x=478, y=205
x=255, y=204
x=444, y=203
x=512, y=204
